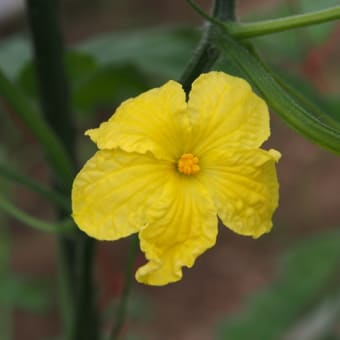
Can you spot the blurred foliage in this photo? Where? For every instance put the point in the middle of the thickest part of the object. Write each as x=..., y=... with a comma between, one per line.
x=161, y=52
x=309, y=274
x=92, y=85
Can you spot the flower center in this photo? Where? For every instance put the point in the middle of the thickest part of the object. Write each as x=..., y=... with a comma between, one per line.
x=188, y=164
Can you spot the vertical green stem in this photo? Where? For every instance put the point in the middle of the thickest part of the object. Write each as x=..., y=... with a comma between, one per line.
x=206, y=53
x=122, y=307
x=75, y=254
x=49, y=62
x=86, y=317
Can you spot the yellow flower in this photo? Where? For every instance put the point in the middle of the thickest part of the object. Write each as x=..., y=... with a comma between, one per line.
x=166, y=168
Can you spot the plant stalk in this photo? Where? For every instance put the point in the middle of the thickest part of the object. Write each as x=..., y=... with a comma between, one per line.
x=76, y=254
x=254, y=29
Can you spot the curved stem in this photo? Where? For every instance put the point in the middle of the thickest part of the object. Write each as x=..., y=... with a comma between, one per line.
x=10, y=209
x=122, y=307
x=53, y=196
x=249, y=30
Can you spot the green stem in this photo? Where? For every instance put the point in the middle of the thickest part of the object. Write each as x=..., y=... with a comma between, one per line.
x=254, y=29
x=122, y=307
x=55, y=103
x=206, y=53
x=10, y=209
x=249, y=30
x=51, y=74
x=85, y=302
x=53, y=196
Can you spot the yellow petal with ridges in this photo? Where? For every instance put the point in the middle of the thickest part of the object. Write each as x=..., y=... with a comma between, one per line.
x=155, y=121
x=112, y=192
x=244, y=187
x=226, y=113
x=183, y=224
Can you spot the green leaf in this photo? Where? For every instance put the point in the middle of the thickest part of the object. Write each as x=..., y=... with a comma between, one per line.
x=109, y=85
x=79, y=68
x=92, y=85
x=318, y=323
x=157, y=51
x=14, y=53
x=318, y=34
x=307, y=123
x=306, y=270
x=24, y=293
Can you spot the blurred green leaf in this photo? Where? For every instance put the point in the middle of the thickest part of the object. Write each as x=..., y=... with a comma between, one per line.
x=79, y=67
x=162, y=51
x=14, y=53
x=317, y=34
x=24, y=293
x=159, y=51
x=108, y=85
x=306, y=270
x=92, y=85
x=317, y=324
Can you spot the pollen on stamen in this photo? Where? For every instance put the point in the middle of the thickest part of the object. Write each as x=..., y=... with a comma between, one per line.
x=188, y=164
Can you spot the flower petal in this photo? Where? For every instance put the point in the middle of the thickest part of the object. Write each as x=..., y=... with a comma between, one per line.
x=154, y=121
x=184, y=225
x=112, y=191
x=225, y=113
x=244, y=188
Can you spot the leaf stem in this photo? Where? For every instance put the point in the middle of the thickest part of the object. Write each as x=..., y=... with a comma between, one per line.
x=122, y=307
x=254, y=29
